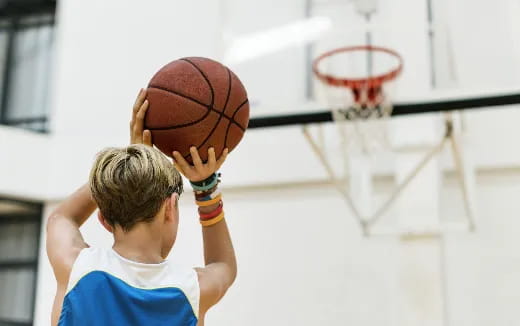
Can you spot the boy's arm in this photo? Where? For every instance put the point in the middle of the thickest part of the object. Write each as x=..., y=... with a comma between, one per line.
x=64, y=241
x=220, y=268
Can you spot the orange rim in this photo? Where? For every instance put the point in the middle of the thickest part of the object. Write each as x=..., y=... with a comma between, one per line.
x=372, y=82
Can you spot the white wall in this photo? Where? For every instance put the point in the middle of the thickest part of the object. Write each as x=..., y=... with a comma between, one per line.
x=276, y=80
x=24, y=164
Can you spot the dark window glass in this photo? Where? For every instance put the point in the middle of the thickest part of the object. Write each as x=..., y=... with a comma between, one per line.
x=20, y=227
x=26, y=58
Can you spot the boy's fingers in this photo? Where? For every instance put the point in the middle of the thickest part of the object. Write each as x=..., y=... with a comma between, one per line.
x=142, y=111
x=139, y=100
x=177, y=166
x=137, y=132
x=180, y=161
x=197, y=162
x=134, y=137
x=137, y=105
x=147, y=137
x=212, y=161
x=222, y=158
x=137, y=123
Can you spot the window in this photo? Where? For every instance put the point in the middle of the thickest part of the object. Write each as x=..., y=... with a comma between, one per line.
x=20, y=226
x=26, y=57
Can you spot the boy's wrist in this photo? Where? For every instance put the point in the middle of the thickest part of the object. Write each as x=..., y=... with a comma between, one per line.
x=209, y=200
x=206, y=184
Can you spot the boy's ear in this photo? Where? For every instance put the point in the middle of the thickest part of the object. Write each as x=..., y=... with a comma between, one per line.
x=104, y=222
x=173, y=206
x=175, y=199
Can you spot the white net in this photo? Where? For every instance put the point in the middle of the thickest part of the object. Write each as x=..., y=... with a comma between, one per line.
x=363, y=128
x=361, y=111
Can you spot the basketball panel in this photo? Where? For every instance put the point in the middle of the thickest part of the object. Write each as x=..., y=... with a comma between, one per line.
x=181, y=139
x=241, y=115
x=215, y=140
x=183, y=78
x=218, y=77
x=233, y=137
x=237, y=97
x=169, y=110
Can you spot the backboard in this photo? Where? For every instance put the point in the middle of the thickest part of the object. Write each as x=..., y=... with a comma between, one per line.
x=457, y=55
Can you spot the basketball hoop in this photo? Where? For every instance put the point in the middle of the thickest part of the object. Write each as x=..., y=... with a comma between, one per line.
x=367, y=78
x=367, y=91
x=361, y=115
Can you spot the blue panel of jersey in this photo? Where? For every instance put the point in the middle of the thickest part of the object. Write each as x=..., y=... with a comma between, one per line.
x=102, y=299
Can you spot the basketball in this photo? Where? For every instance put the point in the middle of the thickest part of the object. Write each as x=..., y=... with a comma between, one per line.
x=196, y=102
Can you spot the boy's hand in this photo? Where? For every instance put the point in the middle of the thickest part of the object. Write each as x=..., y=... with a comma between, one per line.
x=199, y=171
x=137, y=134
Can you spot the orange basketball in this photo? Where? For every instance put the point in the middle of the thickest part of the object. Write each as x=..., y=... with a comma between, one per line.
x=196, y=102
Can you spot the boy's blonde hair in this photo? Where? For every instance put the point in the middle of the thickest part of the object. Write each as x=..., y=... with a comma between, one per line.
x=130, y=184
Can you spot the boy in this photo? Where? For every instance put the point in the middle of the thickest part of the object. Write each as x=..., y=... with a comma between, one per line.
x=136, y=190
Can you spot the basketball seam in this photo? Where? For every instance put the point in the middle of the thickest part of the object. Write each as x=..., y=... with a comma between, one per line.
x=212, y=92
x=222, y=112
x=178, y=94
x=236, y=111
x=233, y=116
x=208, y=108
x=195, y=101
x=211, y=107
x=221, y=115
x=205, y=78
x=186, y=124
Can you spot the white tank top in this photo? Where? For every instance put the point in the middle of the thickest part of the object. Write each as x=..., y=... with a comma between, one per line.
x=107, y=289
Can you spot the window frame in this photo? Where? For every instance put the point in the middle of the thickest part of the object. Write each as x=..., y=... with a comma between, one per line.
x=12, y=16
x=36, y=216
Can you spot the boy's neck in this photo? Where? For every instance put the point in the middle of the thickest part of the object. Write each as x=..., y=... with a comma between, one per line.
x=142, y=244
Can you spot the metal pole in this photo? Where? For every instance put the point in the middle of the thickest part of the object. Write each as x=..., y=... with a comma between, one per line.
x=8, y=64
x=368, y=40
x=309, y=89
x=334, y=179
x=406, y=181
x=431, y=35
x=463, y=182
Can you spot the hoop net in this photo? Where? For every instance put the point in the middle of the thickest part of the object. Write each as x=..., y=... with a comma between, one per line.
x=358, y=85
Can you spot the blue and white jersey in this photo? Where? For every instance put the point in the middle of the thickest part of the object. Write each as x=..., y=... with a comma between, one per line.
x=107, y=289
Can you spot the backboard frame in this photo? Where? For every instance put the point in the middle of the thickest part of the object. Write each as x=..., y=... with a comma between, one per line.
x=399, y=109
